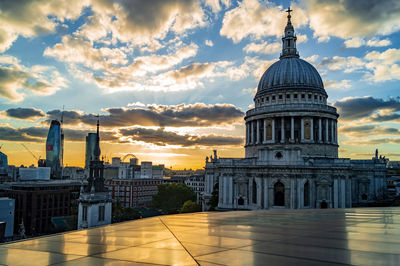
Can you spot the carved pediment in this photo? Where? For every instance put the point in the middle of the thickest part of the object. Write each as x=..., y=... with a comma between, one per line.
x=324, y=181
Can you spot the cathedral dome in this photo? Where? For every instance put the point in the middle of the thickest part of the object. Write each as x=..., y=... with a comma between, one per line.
x=290, y=73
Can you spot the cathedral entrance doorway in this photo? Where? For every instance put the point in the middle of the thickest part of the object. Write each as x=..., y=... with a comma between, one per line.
x=324, y=205
x=240, y=201
x=279, y=194
x=364, y=196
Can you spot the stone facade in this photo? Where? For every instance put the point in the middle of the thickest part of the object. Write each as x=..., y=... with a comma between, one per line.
x=250, y=183
x=291, y=148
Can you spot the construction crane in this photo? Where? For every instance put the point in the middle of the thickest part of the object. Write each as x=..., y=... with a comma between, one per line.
x=34, y=156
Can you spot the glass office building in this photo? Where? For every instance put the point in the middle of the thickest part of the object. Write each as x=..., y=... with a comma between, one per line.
x=90, y=144
x=54, y=148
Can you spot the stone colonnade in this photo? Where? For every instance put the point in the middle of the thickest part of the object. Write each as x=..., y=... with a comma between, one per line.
x=291, y=130
x=293, y=193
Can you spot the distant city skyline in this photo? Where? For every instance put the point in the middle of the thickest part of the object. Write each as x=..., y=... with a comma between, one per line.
x=171, y=80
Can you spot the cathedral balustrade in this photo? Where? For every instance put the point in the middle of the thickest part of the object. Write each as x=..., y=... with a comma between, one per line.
x=292, y=107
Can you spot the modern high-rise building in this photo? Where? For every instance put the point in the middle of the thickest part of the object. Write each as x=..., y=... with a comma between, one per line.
x=90, y=145
x=3, y=160
x=54, y=149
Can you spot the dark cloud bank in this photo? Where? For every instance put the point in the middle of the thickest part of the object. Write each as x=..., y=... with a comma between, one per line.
x=363, y=107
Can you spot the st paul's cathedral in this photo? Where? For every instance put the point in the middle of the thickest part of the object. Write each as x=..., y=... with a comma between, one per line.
x=291, y=147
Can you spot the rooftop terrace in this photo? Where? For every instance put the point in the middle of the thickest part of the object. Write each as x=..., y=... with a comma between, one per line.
x=364, y=236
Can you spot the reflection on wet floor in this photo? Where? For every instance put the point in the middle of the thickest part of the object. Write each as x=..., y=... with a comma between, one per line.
x=365, y=236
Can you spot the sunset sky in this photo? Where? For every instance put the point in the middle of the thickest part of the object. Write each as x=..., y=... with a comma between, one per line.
x=171, y=80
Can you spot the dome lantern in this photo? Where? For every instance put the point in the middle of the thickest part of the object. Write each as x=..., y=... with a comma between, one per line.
x=289, y=39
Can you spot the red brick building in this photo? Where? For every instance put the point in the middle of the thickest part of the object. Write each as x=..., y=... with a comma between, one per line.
x=133, y=193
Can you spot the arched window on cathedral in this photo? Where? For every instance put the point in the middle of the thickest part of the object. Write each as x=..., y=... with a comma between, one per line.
x=279, y=194
x=307, y=194
x=254, y=199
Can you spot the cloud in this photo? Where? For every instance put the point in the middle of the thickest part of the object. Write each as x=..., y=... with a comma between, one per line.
x=256, y=20
x=216, y=5
x=311, y=59
x=371, y=130
x=263, y=48
x=24, y=113
x=374, y=42
x=368, y=142
x=77, y=50
x=383, y=66
x=8, y=133
x=209, y=43
x=158, y=137
x=16, y=78
x=30, y=18
x=347, y=18
x=301, y=38
x=347, y=64
x=376, y=66
x=353, y=108
x=385, y=117
x=110, y=69
x=337, y=85
x=199, y=114
x=39, y=134
x=161, y=137
x=141, y=22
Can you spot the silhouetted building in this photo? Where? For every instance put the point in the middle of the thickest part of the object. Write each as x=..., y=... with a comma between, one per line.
x=36, y=202
x=7, y=215
x=54, y=146
x=95, y=201
x=3, y=168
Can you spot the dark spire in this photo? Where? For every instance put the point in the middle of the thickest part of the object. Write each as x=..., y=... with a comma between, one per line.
x=97, y=145
x=289, y=39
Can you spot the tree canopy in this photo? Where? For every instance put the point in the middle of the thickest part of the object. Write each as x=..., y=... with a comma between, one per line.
x=120, y=214
x=190, y=206
x=213, y=202
x=170, y=197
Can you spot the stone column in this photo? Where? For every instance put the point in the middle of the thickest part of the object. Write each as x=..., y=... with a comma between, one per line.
x=247, y=133
x=273, y=130
x=265, y=131
x=332, y=137
x=335, y=132
x=292, y=129
x=251, y=132
x=258, y=131
x=326, y=131
x=319, y=130
x=282, y=129
x=302, y=129
x=312, y=129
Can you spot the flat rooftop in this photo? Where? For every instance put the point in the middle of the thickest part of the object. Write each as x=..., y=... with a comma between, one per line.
x=359, y=236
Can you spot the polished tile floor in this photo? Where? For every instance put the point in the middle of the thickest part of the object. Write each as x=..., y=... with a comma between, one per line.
x=364, y=236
